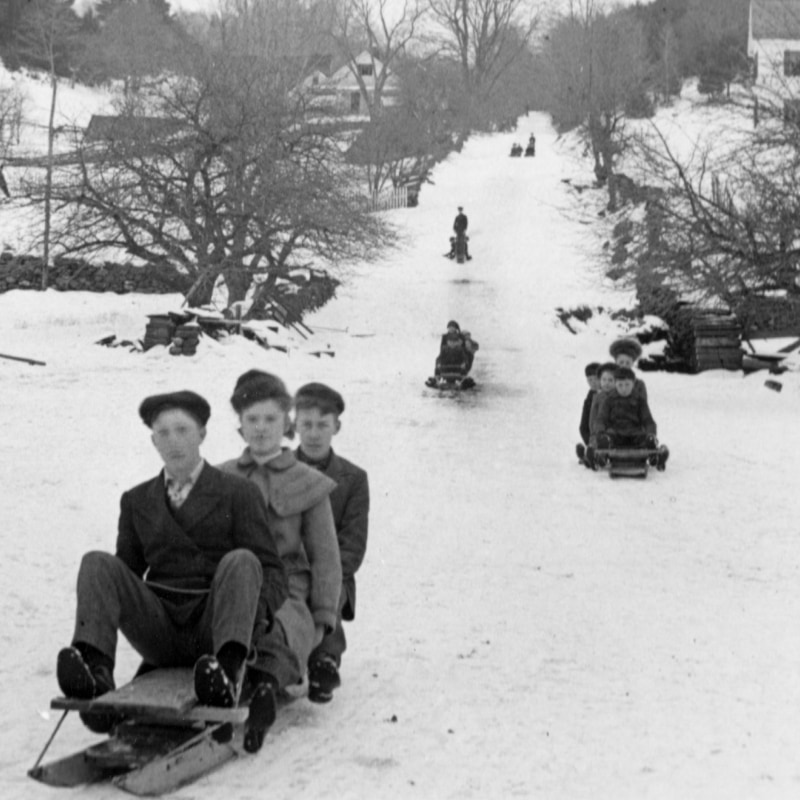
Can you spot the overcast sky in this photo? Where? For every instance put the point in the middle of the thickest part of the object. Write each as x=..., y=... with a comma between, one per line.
x=549, y=5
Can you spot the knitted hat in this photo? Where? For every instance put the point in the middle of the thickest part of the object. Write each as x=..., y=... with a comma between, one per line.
x=187, y=401
x=627, y=346
x=318, y=395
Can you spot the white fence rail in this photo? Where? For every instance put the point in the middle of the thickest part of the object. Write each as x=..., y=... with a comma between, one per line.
x=385, y=199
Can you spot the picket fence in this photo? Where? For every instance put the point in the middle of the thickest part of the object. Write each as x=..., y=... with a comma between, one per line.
x=385, y=199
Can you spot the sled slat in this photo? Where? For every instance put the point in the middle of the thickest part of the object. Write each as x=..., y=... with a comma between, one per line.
x=148, y=712
x=628, y=470
x=166, y=694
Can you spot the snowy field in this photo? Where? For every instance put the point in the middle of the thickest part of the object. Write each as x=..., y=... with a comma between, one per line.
x=525, y=628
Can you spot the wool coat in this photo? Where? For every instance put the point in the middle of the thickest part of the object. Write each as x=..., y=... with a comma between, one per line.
x=452, y=360
x=299, y=517
x=350, y=504
x=182, y=548
x=627, y=416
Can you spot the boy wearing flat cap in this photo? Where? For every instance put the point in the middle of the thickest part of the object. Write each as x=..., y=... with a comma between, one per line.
x=194, y=576
x=318, y=409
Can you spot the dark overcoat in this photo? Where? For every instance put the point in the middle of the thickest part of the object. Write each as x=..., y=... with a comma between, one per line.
x=628, y=416
x=181, y=549
x=350, y=506
x=585, y=426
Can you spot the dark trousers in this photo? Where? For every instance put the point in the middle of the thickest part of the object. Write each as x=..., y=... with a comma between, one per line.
x=166, y=630
x=614, y=439
x=275, y=657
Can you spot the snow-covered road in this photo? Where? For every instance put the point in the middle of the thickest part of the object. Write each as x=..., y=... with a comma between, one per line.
x=525, y=628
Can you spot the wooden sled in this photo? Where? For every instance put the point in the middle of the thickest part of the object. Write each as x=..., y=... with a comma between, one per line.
x=629, y=462
x=455, y=381
x=163, y=738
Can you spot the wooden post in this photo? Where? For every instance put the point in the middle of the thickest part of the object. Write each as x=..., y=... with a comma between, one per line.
x=21, y=358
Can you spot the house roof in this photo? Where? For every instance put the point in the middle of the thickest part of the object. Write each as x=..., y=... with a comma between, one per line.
x=314, y=62
x=775, y=19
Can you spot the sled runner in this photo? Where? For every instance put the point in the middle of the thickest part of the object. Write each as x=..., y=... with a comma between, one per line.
x=162, y=737
x=632, y=462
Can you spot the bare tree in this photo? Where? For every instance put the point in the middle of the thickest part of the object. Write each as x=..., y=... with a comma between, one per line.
x=485, y=37
x=725, y=221
x=133, y=41
x=218, y=171
x=598, y=70
x=46, y=35
x=10, y=118
x=384, y=31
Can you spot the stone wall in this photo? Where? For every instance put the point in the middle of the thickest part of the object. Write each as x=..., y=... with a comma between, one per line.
x=71, y=274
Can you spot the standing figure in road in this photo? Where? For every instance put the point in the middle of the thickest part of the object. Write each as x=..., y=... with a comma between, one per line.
x=530, y=150
x=460, y=225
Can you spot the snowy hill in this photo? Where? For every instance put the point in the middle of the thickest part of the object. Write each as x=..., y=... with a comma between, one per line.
x=526, y=628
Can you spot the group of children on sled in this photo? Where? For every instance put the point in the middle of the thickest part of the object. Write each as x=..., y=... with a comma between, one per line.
x=456, y=354
x=616, y=413
x=243, y=571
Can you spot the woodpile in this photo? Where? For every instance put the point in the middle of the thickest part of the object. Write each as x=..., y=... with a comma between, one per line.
x=717, y=342
x=704, y=339
x=180, y=333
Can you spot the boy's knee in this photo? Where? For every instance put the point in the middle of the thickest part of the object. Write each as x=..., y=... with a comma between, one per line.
x=97, y=562
x=242, y=562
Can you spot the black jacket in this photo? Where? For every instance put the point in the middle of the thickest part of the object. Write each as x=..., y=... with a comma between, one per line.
x=350, y=506
x=182, y=549
x=585, y=414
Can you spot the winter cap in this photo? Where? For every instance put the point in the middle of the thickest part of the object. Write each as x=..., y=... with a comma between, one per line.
x=461, y=208
x=624, y=374
x=627, y=346
x=609, y=366
x=254, y=386
x=453, y=324
x=187, y=401
x=318, y=395
x=592, y=369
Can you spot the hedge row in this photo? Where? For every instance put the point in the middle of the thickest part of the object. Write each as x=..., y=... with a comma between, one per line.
x=25, y=272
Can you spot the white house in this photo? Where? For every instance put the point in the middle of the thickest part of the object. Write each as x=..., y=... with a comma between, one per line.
x=343, y=89
x=773, y=45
